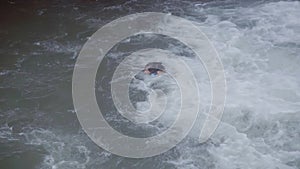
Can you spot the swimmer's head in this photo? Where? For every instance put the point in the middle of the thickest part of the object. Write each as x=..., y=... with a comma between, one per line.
x=154, y=68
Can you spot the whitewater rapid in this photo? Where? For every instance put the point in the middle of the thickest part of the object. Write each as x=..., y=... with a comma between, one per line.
x=259, y=46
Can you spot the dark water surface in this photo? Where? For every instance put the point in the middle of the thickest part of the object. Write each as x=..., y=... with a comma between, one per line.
x=259, y=45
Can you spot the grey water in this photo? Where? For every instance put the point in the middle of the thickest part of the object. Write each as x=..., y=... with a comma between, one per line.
x=258, y=43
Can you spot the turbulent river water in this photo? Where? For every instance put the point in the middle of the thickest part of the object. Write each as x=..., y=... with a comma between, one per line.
x=258, y=43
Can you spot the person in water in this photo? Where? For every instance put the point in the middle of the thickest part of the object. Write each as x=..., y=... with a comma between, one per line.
x=154, y=68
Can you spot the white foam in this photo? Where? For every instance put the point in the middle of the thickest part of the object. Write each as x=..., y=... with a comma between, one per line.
x=262, y=68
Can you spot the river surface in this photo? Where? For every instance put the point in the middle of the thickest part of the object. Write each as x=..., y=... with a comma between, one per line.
x=258, y=43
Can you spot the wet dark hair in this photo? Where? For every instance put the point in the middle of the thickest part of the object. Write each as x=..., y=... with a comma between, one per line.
x=155, y=66
x=153, y=70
